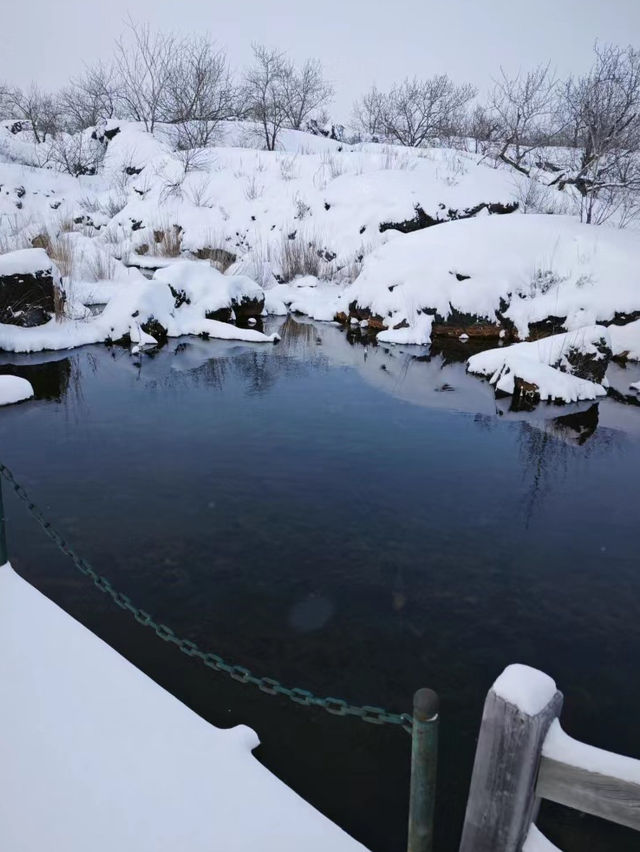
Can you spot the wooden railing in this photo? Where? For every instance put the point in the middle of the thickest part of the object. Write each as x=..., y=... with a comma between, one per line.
x=523, y=756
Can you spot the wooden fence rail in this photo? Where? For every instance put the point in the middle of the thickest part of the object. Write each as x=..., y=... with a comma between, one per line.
x=523, y=756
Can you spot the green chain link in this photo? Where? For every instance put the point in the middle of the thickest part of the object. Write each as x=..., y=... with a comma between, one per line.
x=268, y=685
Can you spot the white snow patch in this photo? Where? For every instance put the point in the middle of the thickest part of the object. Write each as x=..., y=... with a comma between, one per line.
x=418, y=333
x=14, y=389
x=560, y=746
x=537, y=842
x=625, y=340
x=95, y=755
x=530, y=690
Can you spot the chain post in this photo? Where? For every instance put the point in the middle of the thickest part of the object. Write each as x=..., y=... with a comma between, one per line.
x=424, y=757
x=4, y=556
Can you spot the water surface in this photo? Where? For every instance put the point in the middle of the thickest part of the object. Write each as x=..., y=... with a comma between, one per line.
x=355, y=521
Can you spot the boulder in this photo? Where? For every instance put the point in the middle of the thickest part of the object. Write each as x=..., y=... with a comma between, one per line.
x=30, y=288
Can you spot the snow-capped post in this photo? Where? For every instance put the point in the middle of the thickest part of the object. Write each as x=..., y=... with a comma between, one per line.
x=424, y=758
x=4, y=557
x=519, y=709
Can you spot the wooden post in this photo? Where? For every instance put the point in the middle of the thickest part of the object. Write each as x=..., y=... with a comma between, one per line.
x=424, y=758
x=4, y=556
x=502, y=800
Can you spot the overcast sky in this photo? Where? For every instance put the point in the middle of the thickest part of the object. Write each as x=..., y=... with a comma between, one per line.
x=358, y=41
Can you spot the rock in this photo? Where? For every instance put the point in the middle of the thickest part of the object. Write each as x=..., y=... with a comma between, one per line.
x=155, y=329
x=220, y=257
x=30, y=288
x=457, y=324
x=247, y=308
x=526, y=395
x=591, y=365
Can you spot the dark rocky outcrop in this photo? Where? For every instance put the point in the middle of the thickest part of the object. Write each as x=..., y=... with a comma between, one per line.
x=424, y=220
x=458, y=323
x=526, y=395
x=587, y=365
x=29, y=299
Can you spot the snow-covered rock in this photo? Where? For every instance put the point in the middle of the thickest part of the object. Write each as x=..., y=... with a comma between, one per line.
x=14, y=389
x=564, y=368
x=30, y=286
x=219, y=296
x=496, y=275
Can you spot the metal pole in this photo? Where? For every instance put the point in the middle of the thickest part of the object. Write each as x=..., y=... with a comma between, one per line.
x=3, y=535
x=424, y=757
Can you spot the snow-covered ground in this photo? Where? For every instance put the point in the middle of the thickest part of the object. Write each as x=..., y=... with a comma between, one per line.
x=95, y=755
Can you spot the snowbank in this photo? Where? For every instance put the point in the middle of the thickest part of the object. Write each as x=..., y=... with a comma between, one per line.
x=546, y=364
x=522, y=268
x=95, y=755
x=14, y=389
x=139, y=302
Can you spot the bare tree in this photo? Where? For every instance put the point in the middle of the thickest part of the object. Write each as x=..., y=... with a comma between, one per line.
x=524, y=106
x=304, y=92
x=199, y=93
x=368, y=113
x=90, y=98
x=143, y=62
x=41, y=110
x=603, y=111
x=416, y=111
x=77, y=153
x=482, y=127
x=263, y=92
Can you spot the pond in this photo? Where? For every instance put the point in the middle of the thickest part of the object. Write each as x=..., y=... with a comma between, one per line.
x=357, y=521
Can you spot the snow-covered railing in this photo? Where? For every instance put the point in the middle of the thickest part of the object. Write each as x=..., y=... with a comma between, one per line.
x=523, y=756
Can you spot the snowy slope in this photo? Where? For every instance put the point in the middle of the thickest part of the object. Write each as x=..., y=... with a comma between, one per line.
x=95, y=755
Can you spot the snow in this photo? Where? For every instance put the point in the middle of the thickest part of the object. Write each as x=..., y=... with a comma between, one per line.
x=539, y=266
x=95, y=755
x=419, y=333
x=635, y=386
x=560, y=746
x=26, y=262
x=543, y=363
x=530, y=690
x=537, y=842
x=206, y=287
x=625, y=340
x=14, y=389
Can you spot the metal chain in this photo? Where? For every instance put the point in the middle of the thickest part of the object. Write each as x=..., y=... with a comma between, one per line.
x=335, y=706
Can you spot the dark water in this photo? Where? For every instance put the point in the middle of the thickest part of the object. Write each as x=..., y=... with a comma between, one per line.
x=339, y=519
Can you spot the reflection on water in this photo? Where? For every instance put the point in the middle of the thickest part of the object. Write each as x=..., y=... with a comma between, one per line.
x=355, y=520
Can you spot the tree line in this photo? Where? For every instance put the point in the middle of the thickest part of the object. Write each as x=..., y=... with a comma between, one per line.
x=156, y=77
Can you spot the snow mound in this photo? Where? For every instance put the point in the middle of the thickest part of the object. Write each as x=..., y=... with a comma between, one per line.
x=95, y=755
x=546, y=364
x=560, y=746
x=14, y=389
x=524, y=268
x=207, y=288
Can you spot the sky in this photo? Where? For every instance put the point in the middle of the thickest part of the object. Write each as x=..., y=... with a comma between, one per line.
x=359, y=42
